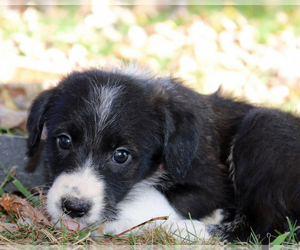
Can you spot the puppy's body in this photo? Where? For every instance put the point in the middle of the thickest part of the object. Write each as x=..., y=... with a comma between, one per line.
x=116, y=142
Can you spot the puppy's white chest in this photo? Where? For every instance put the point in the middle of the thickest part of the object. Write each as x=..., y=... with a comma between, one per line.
x=142, y=204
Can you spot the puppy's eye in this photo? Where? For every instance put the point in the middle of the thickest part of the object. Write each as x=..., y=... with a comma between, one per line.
x=120, y=156
x=64, y=141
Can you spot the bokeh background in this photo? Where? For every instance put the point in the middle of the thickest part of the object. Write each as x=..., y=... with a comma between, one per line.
x=251, y=51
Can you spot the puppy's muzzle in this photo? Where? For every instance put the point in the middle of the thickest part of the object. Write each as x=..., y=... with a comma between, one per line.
x=75, y=207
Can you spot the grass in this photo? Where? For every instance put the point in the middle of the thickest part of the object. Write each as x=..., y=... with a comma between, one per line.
x=31, y=234
x=7, y=178
x=34, y=235
x=289, y=238
x=28, y=233
x=13, y=131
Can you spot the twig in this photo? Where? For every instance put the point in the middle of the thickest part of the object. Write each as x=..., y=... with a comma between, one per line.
x=142, y=224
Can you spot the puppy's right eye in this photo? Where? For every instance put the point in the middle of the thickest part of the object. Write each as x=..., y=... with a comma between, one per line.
x=64, y=141
x=120, y=156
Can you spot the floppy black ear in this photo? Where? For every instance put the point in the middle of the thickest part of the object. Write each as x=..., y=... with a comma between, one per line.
x=181, y=138
x=36, y=120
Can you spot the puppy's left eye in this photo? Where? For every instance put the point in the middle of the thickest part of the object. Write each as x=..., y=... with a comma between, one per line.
x=120, y=156
x=64, y=141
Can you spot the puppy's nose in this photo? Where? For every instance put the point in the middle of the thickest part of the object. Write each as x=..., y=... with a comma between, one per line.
x=75, y=207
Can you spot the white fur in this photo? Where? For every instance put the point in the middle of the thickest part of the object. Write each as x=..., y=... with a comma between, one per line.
x=88, y=185
x=107, y=98
x=101, y=101
x=145, y=203
x=215, y=217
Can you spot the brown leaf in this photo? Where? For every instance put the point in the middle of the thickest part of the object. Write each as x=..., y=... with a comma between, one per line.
x=23, y=209
x=7, y=203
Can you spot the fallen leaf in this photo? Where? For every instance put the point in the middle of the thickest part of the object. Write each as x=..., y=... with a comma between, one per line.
x=24, y=210
x=7, y=203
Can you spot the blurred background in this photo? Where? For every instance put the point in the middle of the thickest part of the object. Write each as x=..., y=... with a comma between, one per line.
x=252, y=51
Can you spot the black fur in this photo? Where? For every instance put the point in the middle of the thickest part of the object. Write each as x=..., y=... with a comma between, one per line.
x=198, y=138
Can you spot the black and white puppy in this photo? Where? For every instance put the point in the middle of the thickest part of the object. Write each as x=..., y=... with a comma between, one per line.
x=124, y=147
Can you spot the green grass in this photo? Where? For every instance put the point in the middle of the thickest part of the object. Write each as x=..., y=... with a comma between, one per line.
x=288, y=238
x=32, y=234
x=8, y=177
x=14, y=131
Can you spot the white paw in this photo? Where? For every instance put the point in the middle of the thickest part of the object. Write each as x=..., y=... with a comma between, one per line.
x=115, y=227
x=181, y=230
x=188, y=230
x=120, y=226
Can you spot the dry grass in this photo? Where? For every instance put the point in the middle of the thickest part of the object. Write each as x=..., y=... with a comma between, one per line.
x=32, y=234
x=24, y=221
x=13, y=233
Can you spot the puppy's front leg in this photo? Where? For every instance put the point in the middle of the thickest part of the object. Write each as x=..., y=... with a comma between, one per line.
x=181, y=230
x=145, y=203
x=188, y=230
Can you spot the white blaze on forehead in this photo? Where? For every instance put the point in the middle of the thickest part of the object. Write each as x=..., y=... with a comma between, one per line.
x=83, y=184
x=103, y=99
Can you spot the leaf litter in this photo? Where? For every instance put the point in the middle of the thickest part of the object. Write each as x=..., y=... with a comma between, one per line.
x=27, y=213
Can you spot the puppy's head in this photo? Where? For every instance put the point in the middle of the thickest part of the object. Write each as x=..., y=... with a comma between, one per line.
x=106, y=132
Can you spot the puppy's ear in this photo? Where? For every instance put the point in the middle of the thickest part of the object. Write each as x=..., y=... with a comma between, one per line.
x=36, y=120
x=181, y=137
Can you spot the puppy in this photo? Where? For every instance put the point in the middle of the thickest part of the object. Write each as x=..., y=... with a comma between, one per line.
x=126, y=146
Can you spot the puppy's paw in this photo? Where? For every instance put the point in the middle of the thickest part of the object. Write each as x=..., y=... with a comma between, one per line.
x=181, y=230
x=114, y=227
x=188, y=230
x=97, y=233
x=120, y=226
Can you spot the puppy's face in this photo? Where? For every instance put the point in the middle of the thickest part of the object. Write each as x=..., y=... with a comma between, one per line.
x=106, y=132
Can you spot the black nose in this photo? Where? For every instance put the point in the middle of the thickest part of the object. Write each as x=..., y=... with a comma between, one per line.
x=75, y=207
